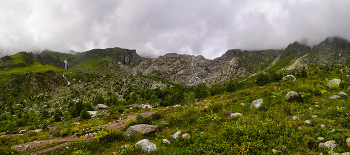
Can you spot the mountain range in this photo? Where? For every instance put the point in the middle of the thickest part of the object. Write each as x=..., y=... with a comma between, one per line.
x=190, y=69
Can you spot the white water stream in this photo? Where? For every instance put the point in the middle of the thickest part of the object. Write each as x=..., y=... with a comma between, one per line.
x=66, y=79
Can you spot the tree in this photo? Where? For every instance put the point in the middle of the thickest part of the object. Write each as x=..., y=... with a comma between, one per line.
x=44, y=114
x=217, y=89
x=84, y=115
x=262, y=79
x=231, y=86
x=201, y=91
x=56, y=117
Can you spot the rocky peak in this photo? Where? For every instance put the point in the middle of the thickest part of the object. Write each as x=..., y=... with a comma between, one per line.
x=5, y=58
x=297, y=49
x=125, y=56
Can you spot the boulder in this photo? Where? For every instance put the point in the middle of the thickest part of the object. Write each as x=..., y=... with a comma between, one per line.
x=329, y=145
x=257, y=103
x=289, y=78
x=334, y=83
x=186, y=136
x=235, y=114
x=348, y=141
x=102, y=106
x=165, y=141
x=342, y=94
x=176, y=135
x=292, y=95
x=146, y=145
x=335, y=97
x=92, y=113
x=140, y=129
x=22, y=131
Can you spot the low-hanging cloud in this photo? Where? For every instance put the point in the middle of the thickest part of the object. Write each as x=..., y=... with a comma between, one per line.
x=157, y=27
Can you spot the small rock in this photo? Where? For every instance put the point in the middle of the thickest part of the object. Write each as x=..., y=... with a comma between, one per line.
x=314, y=116
x=186, y=136
x=334, y=97
x=342, y=94
x=176, y=135
x=307, y=122
x=235, y=114
x=146, y=145
x=292, y=95
x=322, y=125
x=289, y=78
x=295, y=117
x=348, y=141
x=320, y=138
x=140, y=129
x=333, y=130
x=330, y=145
x=242, y=104
x=334, y=83
x=124, y=146
x=165, y=141
x=257, y=103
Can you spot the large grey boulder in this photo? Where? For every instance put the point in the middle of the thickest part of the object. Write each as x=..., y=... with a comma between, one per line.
x=257, y=103
x=140, y=129
x=176, y=135
x=146, y=145
x=334, y=83
x=292, y=95
x=289, y=78
x=329, y=145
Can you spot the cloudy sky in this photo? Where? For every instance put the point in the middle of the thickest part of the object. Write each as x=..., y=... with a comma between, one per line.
x=157, y=27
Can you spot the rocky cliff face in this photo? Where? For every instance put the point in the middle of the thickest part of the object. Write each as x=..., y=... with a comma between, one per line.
x=191, y=70
x=125, y=56
x=333, y=50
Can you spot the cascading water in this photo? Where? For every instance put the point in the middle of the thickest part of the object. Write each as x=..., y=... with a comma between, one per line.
x=65, y=65
x=66, y=79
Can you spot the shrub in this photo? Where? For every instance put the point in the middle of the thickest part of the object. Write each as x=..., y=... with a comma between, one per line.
x=262, y=79
x=201, y=91
x=84, y=115
x=215, y=107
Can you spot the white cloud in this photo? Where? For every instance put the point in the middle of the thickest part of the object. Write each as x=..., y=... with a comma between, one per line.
x=155, y=27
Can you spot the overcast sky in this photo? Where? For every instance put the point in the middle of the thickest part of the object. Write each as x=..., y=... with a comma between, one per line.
x=157, y=27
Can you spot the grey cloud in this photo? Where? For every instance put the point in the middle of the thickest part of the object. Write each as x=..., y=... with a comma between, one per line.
x=156, y=27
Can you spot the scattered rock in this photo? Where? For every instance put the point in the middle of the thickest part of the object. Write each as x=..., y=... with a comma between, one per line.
x=165, y=141
x=146, y=145
x=22, y=131
x=329, y=145
x=176, y=135
x=334, y=97
x=334, y=83
x=292, y=95
x=235, y=114
x=186, y=136
x=295, y=117
x=92, y=113
x=257, y=103
x=242, y=104
x=289, y=78
x=320, y=138
x=140, y=129
x=322, y=125
x=314, y=116
x=342, y=94
x=348, y=141
x=307, y=122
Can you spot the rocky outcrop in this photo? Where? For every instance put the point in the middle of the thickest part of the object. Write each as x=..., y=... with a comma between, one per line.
x=140, y=129
x=125, y=56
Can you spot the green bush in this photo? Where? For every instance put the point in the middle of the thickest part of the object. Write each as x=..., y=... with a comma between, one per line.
x=262, y=79
x=201, y=91
x=215, y=107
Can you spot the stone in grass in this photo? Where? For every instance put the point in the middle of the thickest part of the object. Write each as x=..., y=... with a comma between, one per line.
x=322, y=125
x=139, y=129
x=186, y=136
x=235, y=114
x=307, y=122
x=295, y=117
x=348, y=141
x=292, y=95
x=334, y=97
x=320, y=138
x=334, y=83
x=257, y=103
x=329, y=145
x=165, y=141
x=289, y=78
x=314, y=116
x=176, y=135
x=342, y=94
x=146, y=145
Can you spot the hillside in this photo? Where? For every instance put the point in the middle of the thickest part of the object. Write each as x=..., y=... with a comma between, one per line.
x=291, y=101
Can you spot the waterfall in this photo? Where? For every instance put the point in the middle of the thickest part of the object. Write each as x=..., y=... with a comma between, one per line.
x=66, y=79
x=65, y=65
